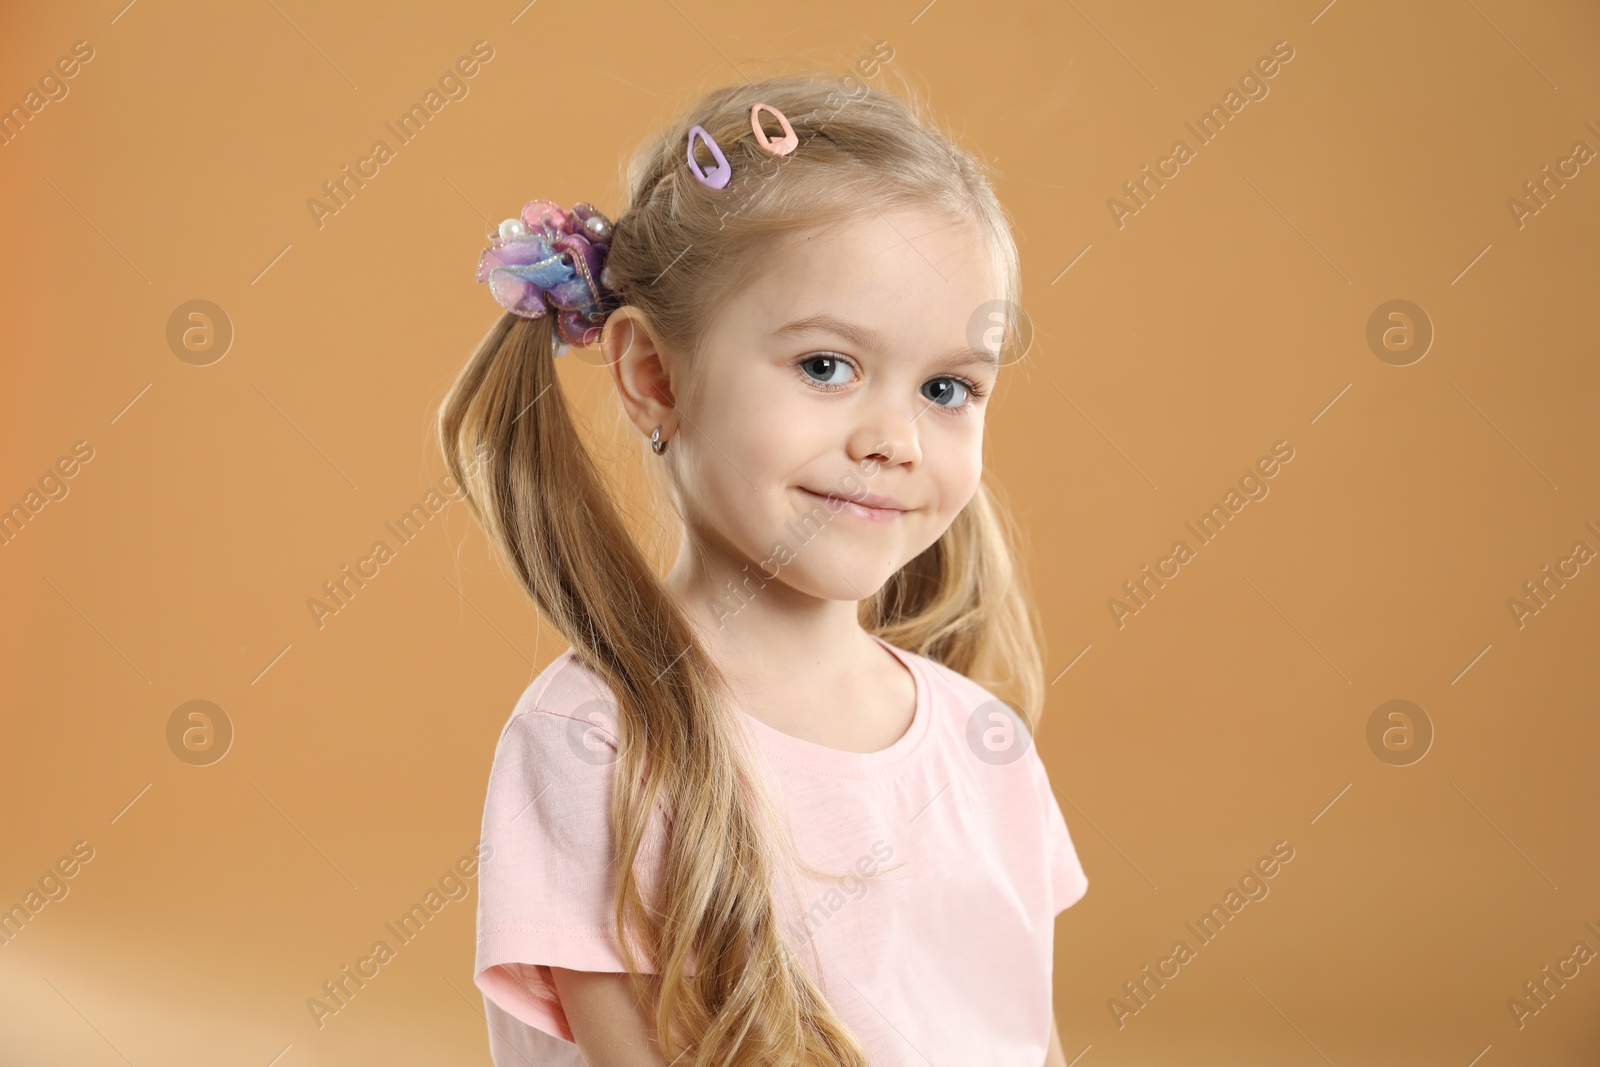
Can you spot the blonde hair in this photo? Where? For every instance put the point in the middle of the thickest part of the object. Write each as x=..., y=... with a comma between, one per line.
x=677, y=249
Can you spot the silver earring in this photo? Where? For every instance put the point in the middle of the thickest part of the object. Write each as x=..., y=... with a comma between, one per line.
x=657, y=445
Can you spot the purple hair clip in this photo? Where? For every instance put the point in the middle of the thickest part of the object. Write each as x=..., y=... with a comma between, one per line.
x=551, y=260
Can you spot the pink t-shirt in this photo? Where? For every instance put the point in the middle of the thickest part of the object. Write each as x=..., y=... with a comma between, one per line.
x=943, y=954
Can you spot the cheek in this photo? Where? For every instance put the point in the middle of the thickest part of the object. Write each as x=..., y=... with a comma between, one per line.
x=755, y=430
x=962, y=492
x=767, y=426
x=960, y=466
x=744, y=434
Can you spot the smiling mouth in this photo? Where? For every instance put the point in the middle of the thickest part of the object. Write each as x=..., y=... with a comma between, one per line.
x=845, y=506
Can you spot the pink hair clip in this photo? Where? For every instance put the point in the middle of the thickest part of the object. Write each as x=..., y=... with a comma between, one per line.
x=783, y=145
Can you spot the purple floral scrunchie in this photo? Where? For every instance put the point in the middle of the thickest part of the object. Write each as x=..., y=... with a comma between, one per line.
x=551, y=260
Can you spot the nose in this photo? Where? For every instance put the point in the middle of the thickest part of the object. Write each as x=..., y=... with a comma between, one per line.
x=886, y=433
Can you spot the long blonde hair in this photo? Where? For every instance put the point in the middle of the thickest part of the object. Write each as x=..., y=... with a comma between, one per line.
x=677, y=248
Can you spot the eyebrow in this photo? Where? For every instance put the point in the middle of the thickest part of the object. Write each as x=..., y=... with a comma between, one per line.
x=868, y=338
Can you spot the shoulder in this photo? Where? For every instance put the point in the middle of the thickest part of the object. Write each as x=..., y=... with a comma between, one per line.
x=951, y=685
x=568, y=710
x=986, y=725
x=959, y=699
x=566, y=689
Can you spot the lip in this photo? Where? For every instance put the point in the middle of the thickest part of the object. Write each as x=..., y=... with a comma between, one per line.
x=872, y=506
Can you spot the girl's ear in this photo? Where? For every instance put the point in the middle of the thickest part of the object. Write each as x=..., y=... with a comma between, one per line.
x=641, y=369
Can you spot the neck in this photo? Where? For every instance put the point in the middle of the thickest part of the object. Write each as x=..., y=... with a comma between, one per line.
x=755, y=626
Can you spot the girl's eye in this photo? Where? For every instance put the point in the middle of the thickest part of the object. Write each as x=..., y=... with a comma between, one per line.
x=826, y=367
x=940, y=388
x=822, y=371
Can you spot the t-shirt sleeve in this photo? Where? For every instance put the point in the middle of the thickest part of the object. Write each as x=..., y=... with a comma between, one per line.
x=1067, y=881
x=547, y=888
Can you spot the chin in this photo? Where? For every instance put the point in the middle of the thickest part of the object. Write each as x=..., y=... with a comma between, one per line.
x=842, y=580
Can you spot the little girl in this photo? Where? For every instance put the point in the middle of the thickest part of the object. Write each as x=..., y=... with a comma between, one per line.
x=767, y=809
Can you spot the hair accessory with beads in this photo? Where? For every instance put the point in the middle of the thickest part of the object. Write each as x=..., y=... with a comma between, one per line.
x=551, y=261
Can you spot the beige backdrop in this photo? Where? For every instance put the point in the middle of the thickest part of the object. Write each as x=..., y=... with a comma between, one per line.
x=1442, y=459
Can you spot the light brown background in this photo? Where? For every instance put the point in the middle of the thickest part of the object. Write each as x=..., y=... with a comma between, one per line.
x=1227, y=315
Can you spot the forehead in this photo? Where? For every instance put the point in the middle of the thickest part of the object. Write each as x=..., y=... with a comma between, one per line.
x=912, y=275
